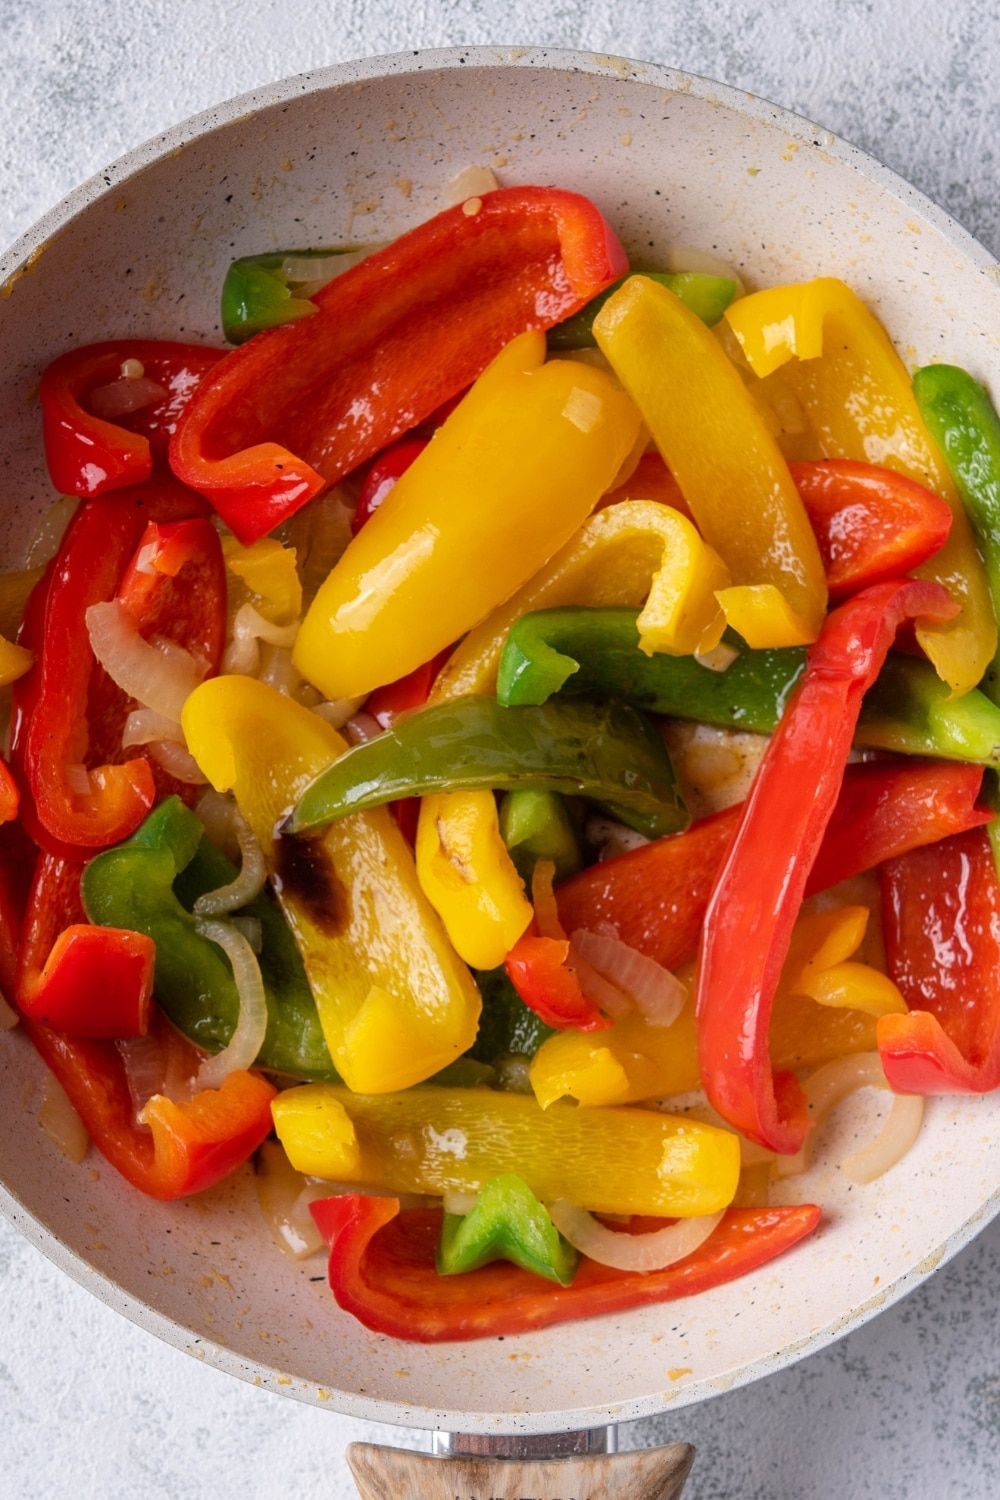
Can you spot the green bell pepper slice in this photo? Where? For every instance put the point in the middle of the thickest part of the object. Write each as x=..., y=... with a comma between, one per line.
x=964, y=423
x=507, y=1223
x=149, y=884
x=535, y=824
x=264, y=291
x=606, y=752
x=706, y=296
x=592, y=652
x=507, y=1027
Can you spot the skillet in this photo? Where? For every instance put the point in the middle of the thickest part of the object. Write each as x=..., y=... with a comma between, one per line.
x=361, y=152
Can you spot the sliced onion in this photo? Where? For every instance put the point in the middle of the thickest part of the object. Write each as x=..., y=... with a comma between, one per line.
x=829, y=1086
x=719, y=659
x=241, y=658
x=158, y=676
x=610, y=838
x=631, y=1252
x=176, y=760
x=78, y=779
x=252, y=929
x=128, y=393
x=284, y=1196
x=682, y=258
x=457, y=1202
x=143, y=1060
x=249, y=882
x=248, y=1038
x=310, y=273
x=144, y=726
x=277, y=671
x=892, y=1142
x=360, y=728
x=217, y=813
x=471, y=182
x=60, y=1122
x=249, y=622
x=337, y=711
x=656, y=993
x=605, y=995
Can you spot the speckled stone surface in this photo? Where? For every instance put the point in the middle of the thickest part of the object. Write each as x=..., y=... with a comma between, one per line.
x=909, y=1405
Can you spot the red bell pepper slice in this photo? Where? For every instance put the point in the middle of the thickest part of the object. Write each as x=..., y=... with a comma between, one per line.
x=17, y=860
x=87, y=981
x=886, y=807
x=871, y=523
x=179, y=1148
x=382, y=475
x=656, y=896
x=297, y=407
x=536, y=967
x=10, y=796
x=381, y=1270
x=66, y=711
x=175, y=587
x=758, y=892
x=96, y=982
x=89, y=454
x=941, y=914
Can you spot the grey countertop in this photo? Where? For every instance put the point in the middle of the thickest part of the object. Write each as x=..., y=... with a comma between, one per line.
x=908, y=1405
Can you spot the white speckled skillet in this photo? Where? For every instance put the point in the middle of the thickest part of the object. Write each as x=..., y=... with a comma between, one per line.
x=361, y=152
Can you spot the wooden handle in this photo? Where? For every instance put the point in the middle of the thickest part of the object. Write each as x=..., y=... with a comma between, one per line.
x=399, y=1474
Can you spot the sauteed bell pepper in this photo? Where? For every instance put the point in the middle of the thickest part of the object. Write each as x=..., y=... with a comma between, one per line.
x=871, y=523
x=606, y=752
x=67, y=714
x=655, y=896
x=757, y=894
x=395, y=1002
x=595, y=653
x=963, y=422
x=175, y=1148
x=706, y=296
x=856, y=394
x=941, y=910
x=468, y=877
x=86, y=981
x=108, y=408
x=610, y=1161
x=616, y=558
x=507, y=1222
x=297, y=407
x=714, y=440
x=139, y=885
x=429, y=564
x=382, y=1269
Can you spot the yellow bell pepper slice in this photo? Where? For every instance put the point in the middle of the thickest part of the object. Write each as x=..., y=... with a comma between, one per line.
x=440, y=1140
x=632, y=1060
x=504, y=483
x=856, y=393
x=395, y=1002
x=268, y=570
x=616, y=558
x=468, y=876
x=818, y=964
x=715, y=442
x=14, y=661
x=760, y=614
